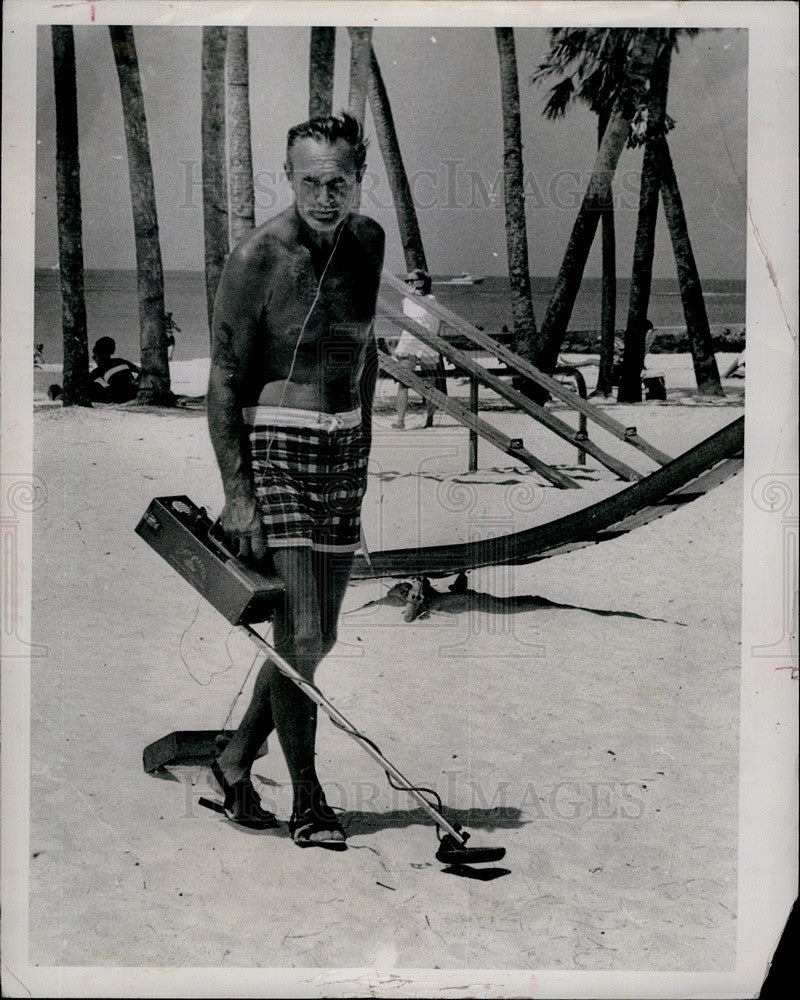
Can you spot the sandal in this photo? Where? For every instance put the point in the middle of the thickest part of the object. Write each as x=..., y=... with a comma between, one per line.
x=321, y=824
x=416, y=602
x=241, y=803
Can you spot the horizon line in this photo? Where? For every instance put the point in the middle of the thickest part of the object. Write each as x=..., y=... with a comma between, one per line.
x=442, y=274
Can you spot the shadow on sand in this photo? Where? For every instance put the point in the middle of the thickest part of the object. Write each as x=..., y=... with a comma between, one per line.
x=473, y=600
x=358, y=822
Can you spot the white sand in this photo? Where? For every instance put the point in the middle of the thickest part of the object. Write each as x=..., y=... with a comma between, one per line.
x=588, y=723
x=190, y=378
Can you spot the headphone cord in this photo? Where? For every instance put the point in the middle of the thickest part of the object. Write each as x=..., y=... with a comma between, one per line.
x=288, y=379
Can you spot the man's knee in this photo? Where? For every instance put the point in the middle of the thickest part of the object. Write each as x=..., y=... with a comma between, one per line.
x=308, y=648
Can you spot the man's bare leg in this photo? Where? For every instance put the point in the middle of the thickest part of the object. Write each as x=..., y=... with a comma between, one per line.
x=401, y=404
x=257, y=723
x=332, y=573
x=297, y=637
x=320, y=585
x=430, y=409
x=304, y=633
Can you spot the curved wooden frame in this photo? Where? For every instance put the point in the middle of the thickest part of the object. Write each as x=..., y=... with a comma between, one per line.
x=683, y=479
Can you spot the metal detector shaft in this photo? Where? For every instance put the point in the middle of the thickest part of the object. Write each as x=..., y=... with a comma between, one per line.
x=314, y=693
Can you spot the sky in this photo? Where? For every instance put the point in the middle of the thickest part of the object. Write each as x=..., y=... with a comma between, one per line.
x=444, y=89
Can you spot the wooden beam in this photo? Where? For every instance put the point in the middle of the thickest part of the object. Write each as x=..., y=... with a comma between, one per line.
x=462, y=414
x=523, y=367
x=516, y=398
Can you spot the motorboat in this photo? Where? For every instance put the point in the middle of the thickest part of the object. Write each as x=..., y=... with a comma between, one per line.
x=464, y=279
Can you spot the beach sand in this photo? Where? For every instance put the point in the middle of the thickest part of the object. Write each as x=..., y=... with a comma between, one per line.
x=582, y=712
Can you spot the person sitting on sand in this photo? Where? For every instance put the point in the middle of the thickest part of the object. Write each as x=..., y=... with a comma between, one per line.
x=416, y=357
x=648, y=333
x=737, y=369
x=293, y=371
x=113, y=380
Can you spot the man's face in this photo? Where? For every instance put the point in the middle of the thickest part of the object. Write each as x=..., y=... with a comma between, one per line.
x=323, y=178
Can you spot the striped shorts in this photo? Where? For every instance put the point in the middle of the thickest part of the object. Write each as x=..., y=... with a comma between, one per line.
x=310, y=476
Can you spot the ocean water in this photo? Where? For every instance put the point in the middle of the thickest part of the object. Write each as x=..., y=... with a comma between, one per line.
x=112, y=307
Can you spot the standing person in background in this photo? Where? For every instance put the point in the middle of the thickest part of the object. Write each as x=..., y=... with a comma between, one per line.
x=170, y=328
x=648, y=334
x=417, y=357
x=653, y=382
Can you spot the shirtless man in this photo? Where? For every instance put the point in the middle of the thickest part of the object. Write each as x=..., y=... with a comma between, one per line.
x=290, y=394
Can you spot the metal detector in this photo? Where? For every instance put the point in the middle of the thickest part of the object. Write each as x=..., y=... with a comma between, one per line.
x=184, y=536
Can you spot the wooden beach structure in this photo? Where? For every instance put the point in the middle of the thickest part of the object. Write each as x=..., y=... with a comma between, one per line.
x=675, y=482
x=481, y=375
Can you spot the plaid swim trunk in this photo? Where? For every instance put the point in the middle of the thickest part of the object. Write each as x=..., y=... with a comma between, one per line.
x=310, y=476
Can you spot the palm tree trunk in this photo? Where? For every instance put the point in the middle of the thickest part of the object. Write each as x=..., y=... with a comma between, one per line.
x=608, y=306
x=240, y=171
x=75, y=389
x=633, y=357
x=630, y=384
x=410, y=235
x=360, y=60
x=640, y=63
x=694, y=307
x=154, y=384
x=513, y=186
x=320, y=71
x=360, y=50
x=215, y=185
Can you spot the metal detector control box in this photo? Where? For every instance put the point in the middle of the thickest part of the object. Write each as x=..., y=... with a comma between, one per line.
x=182, y=534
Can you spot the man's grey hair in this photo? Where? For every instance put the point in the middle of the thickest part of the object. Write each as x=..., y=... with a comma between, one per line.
x=331, y=128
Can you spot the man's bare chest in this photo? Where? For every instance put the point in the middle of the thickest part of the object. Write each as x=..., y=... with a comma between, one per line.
x=336, y=304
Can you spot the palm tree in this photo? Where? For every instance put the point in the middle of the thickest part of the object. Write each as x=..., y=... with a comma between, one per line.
x=360, y=61
x=630, y=386
x=360, y=50
x=513, y=186
x=608, y=292
x=658, y=175
x=320, y=71
x=644, y=47
x=75, y=390
x=240, y=171
x=215, y=185
x=154, y=383
x=407, y=221
x=591, y=63
x=694, y=307
x=597, y=58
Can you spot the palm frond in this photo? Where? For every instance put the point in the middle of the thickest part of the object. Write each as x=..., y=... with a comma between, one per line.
x=592, y=63
x=559, y=99
x=676, y=33
x=543, y=71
